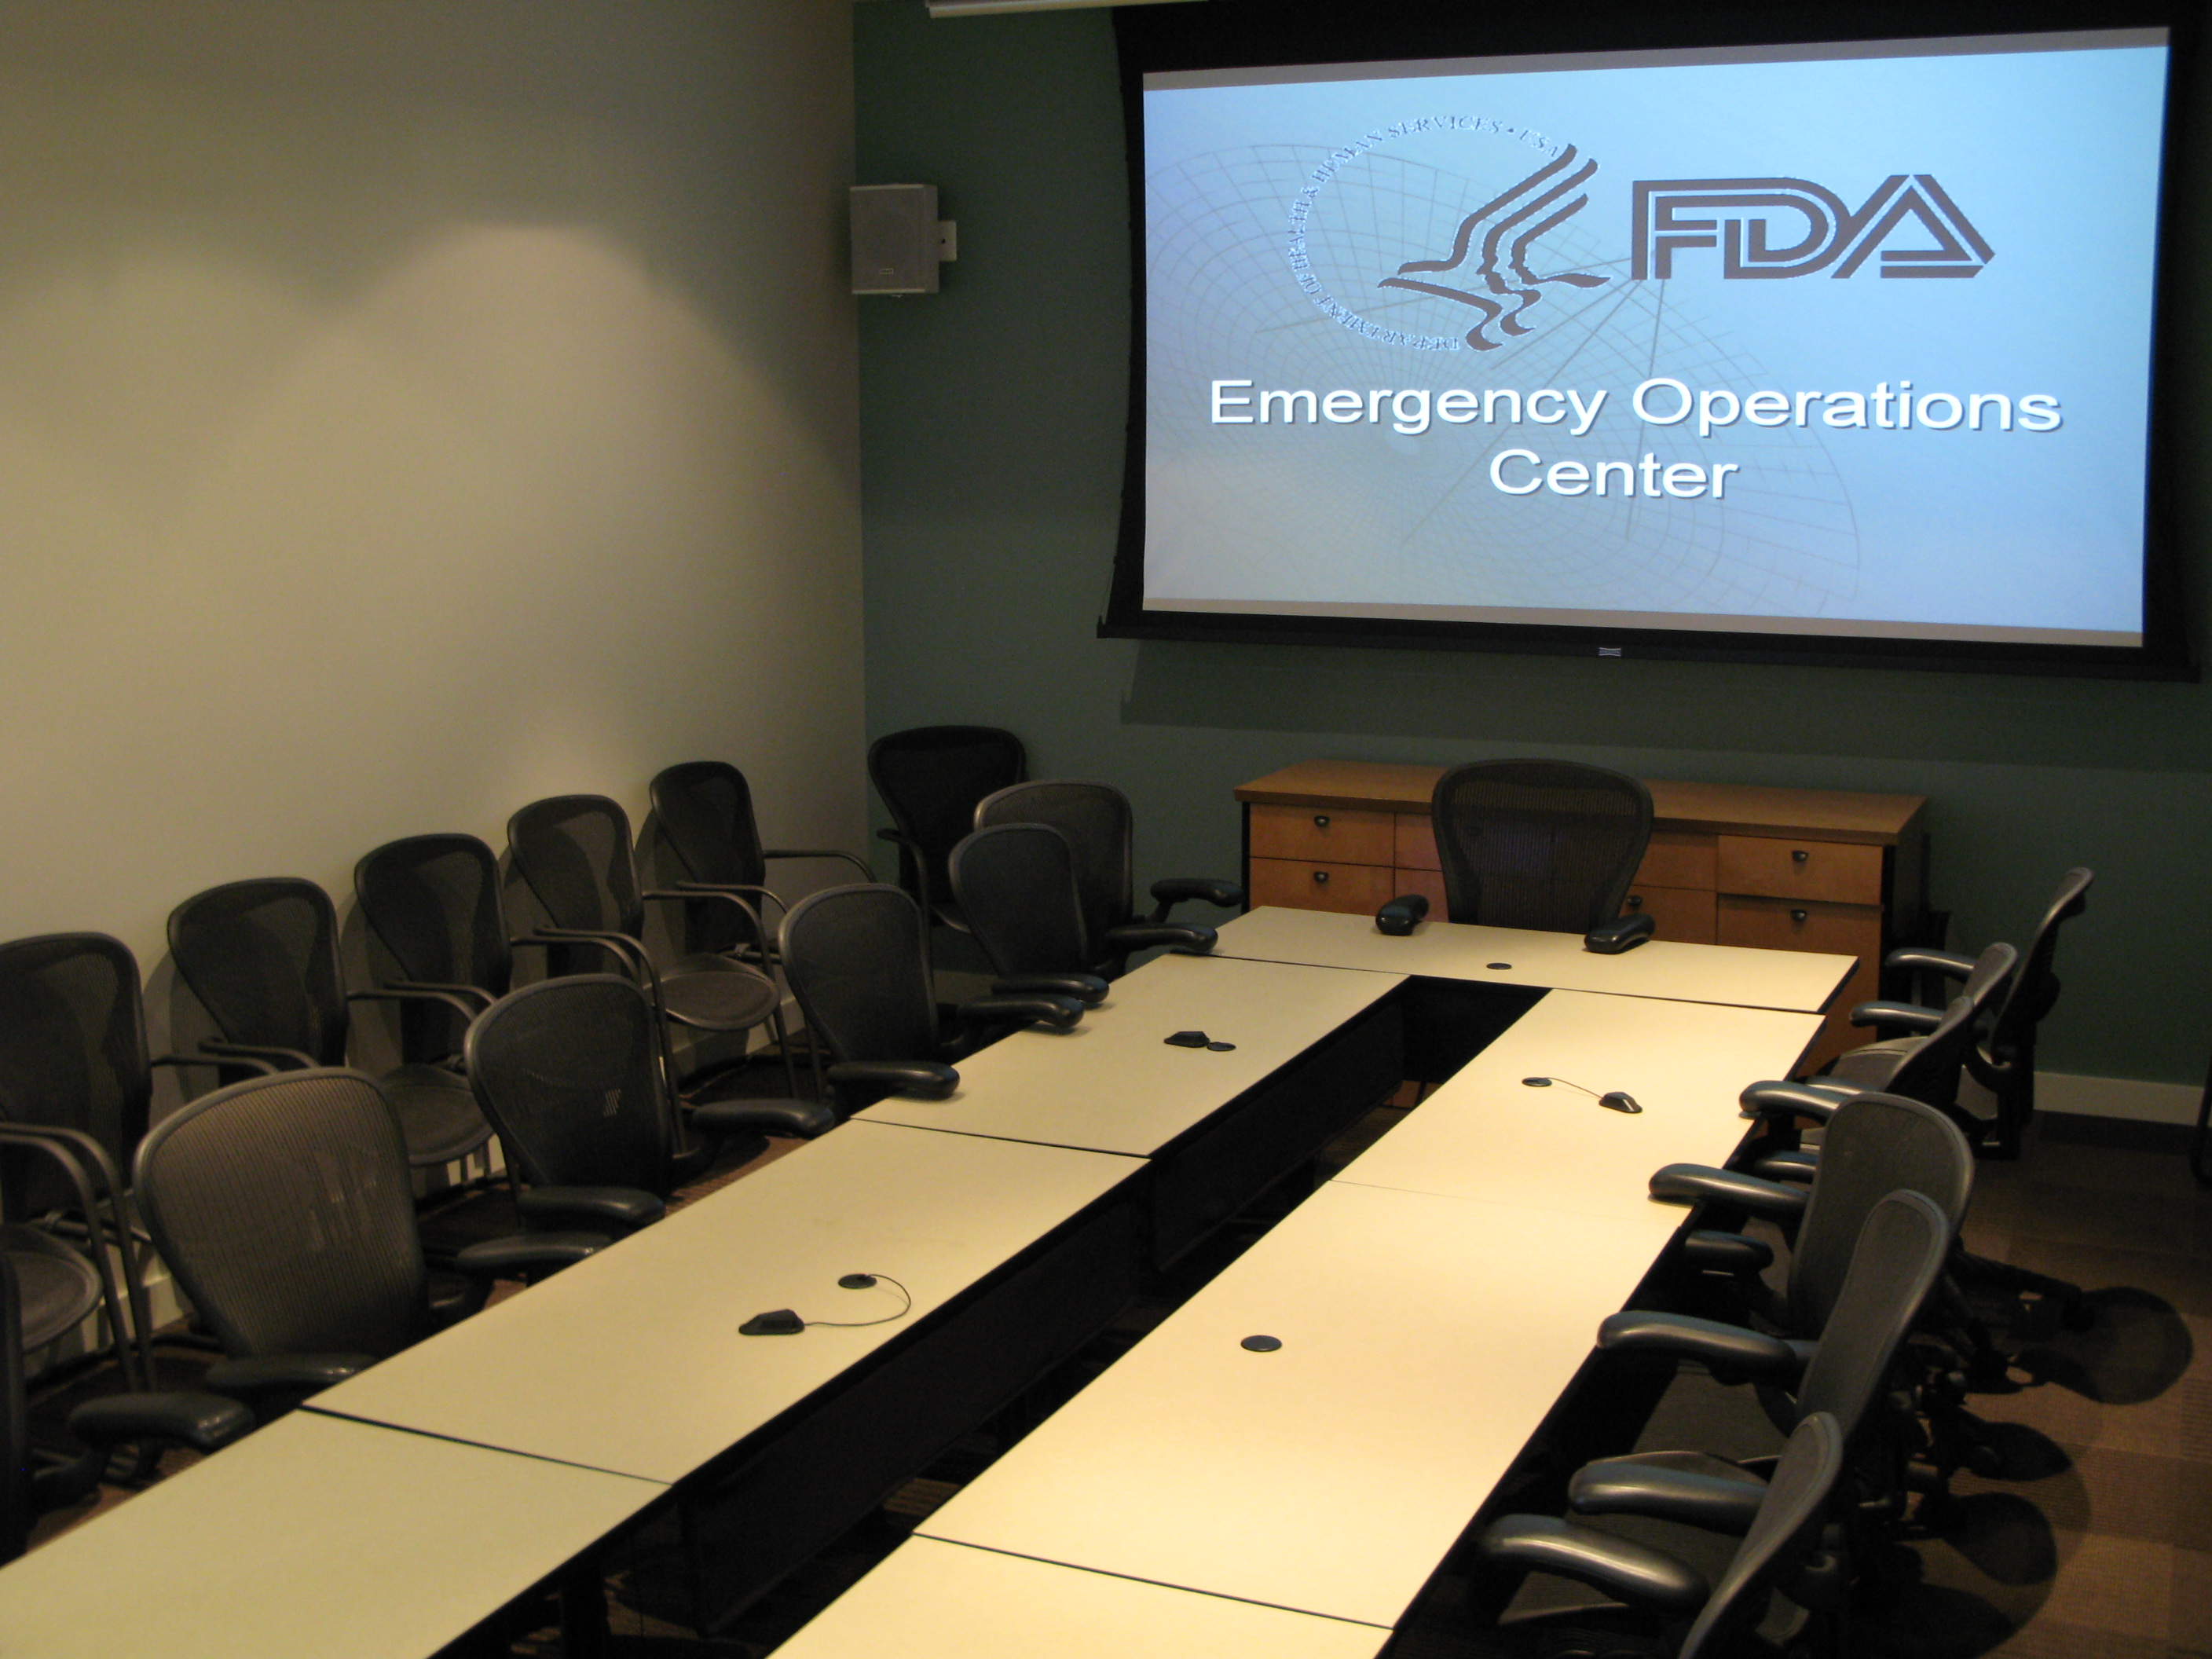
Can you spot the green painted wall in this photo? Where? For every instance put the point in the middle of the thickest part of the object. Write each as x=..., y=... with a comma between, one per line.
x=993, y=432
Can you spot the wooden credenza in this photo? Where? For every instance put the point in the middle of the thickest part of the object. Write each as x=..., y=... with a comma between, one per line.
x=1729, y=863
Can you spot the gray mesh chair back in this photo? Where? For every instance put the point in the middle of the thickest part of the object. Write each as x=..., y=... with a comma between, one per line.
x=1897, y=1258
x=1780, y=1542
x=567, y=1071
x=433, y=901
x=930, y=780
x=1095, y=819
x=283, y=1204
x=1874, y=1146
x=72, y=1054
x=1016, y=886
x=857, y=961
x=2034, y=989
x=1928, y=1068
x=262, y=958
x=1549, y=845
x=574, y=853
x=705, y=809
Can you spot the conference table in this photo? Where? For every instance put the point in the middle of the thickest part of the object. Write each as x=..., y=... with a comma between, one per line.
x=1017, y=1216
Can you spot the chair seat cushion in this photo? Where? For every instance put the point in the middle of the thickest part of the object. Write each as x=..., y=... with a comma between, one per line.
x=59, y=1286
x=438, y=1114
x=714, y=994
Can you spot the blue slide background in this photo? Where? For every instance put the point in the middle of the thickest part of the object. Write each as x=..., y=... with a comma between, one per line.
x=2053, y=156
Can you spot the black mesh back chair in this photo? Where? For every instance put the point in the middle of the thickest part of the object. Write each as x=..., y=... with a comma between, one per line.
x=1895, y=1264
x=262, y=958
x=1652, y=1592
x=857, y=961
x=1927, y=1066
x=570, y=1071
x=705, y=811
x=2003, y=1057
x=1018, y=887
x=433, y=903
x=1541, y=844
x=285, y=1208
x=930, y=780
x=1096, y=820
x=574, y=853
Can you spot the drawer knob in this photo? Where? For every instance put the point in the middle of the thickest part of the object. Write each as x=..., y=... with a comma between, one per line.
x=1636, y=901
x=1321, y=820
x=1798, y=855
x=1320, y=877
x=1797, y=915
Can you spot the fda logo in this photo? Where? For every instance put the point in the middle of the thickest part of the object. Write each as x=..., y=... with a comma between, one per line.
x=1794, y=227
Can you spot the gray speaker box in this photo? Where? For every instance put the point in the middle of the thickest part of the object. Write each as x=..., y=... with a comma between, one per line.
x=896, y=246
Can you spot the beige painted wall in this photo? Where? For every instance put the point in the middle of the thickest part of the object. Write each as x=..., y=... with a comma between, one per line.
x=409, y=408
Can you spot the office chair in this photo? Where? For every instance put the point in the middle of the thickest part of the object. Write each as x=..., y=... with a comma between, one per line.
x=1096, y=820
x=2003, y=1057
x=574, y=854
x=705, y=811
x=432, y=902
x=857, y=961
x=32, y=1481
x=1016, y=883
x=1669, y=1603
x=1549, y=845
x=74, y=1072
x=930, y=779
x=262, y=958
x=285, y=1206
x=568, y=1072
x=1850, y=1369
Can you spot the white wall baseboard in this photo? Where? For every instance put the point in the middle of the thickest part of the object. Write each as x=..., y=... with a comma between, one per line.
x=2117, y=1096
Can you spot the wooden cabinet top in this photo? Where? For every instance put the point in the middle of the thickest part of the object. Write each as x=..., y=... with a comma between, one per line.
x=1728, y=809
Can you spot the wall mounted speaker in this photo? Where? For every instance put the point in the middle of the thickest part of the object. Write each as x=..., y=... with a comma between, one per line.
x=896, y=245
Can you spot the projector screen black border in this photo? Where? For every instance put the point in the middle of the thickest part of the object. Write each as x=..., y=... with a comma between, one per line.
x=1224, y=34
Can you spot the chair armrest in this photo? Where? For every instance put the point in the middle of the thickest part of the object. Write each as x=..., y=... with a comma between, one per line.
x=1166, y=894
x=1622, y=1486
x=205, y=1422
x=1948, y=963
x=854, y=859
x=1777, y=1098
x=1910, y=1015
x=1058, y=1013
x=529, y=1257
x=1709, y=1251
x=1691, y=1183
x=283, y=1060
x=395, y=992
x=265, y=1068
x=624, y=1208
x=475, y=994
x=801, y=1120
x=620, y=946
x=1729, y=1351
x=1800, y=1164
x=692, y=892
x=917, y=1079
x=268, y=1379
x=1143, y=935
x=1620, y=1567
x=1087, y=988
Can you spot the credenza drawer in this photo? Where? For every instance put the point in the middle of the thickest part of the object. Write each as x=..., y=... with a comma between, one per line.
x=1832, y=873
x=1684, y=913
x=1677, y=858
x=1768, y=924
x=1417, y=842
x=1303, y=885
x=1322, y=834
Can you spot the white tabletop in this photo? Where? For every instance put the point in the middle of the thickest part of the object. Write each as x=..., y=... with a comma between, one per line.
x=631, y=1361
x=1485, y=1134
x=1423, y=1339
x=313, y=1538
x=1114, y=1083
x=929, y=1600
x=1802, y=981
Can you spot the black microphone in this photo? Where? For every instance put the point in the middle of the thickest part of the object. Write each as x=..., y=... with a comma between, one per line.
x=1610, y=939
x=1398, y=916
